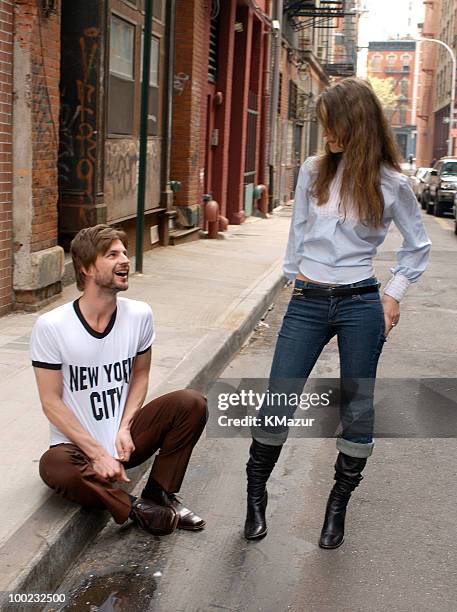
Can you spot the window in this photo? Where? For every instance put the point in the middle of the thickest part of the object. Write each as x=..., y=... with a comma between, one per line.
x=121, y=77
x=449, y=168
x=213, y=49
x=402, y=115
x=153, y=101
x=154, y=67
x=376, y=61
x=157, y=9
x=404, y=87
x=280, y=93
x=290, y=143
x=154, y=72
x=405, y=62
x=406, y=59
x=121, y=48
x=292, y=100
x=391, y=60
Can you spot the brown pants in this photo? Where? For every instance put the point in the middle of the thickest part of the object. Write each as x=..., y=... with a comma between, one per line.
x=173, y=423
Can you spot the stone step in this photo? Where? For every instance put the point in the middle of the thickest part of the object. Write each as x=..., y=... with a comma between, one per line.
x=180, y=236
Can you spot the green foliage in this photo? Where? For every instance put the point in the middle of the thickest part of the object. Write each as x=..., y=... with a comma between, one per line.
x=385, y=90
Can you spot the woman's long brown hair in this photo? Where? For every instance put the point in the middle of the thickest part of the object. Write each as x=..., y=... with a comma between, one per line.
x=350, y=111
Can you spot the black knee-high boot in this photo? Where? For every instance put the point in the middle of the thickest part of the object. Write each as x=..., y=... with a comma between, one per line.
x=348, y=476
x=262, y=459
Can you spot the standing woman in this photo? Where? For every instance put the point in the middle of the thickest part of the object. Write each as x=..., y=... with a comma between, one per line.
x=345, y=200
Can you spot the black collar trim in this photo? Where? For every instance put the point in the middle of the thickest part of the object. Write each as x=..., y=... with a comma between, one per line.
x=88, y=328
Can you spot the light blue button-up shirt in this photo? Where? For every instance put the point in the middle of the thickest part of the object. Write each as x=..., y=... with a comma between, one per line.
x=326, y=247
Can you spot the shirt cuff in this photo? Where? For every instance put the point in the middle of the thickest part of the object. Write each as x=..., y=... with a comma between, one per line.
x=397, y=286
x=288, y=273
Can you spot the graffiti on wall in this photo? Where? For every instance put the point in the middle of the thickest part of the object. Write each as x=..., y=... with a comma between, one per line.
x=68, y=117
x=180, y=81
x=121, y=167
x=85, y=135
x=43, y=120
x=121, y=176
x=45, y=149
x=78, y=129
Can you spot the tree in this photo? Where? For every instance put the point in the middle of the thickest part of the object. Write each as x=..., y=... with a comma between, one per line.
x=385, y=90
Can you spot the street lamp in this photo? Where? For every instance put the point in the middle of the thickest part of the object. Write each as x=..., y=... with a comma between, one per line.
x=454, y=69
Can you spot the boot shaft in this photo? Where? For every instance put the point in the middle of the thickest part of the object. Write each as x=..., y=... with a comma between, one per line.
x=262, y=459
x=348, y=472
x=347, y=476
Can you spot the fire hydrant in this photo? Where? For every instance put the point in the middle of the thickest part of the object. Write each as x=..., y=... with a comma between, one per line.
x=261, y=193
x=211, y=216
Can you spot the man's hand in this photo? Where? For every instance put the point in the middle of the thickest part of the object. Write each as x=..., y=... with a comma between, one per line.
x=124, y=444
x=391, y=313
x=110, y=468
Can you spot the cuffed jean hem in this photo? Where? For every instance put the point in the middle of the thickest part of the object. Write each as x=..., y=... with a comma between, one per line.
x=354, y=449
x=268, y=437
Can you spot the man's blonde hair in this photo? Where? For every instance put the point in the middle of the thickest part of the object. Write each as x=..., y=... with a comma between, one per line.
x=88, y=244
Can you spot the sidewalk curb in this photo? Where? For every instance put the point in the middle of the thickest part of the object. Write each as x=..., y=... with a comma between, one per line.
x=59, y=532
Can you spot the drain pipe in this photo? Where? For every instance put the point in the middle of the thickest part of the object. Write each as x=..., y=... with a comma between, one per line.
x=168, y=188
x=168, y=114
x=142, y=162
x=276, y=50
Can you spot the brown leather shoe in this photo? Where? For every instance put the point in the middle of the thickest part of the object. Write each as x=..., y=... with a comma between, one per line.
x=156, y=519
x=187, y=518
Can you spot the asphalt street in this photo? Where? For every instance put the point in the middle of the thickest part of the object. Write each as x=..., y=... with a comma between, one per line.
x=400, y=552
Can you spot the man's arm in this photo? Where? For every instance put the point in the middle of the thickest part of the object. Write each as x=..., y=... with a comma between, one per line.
x=138, y=388
x=50, y=389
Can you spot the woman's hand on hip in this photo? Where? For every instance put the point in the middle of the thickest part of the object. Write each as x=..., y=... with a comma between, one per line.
x=391, y=313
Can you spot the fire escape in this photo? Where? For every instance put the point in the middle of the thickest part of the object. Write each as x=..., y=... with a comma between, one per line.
x=314, y=10
x=336, y=52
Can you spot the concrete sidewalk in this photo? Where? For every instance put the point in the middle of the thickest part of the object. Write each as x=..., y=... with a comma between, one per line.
x=206, y=297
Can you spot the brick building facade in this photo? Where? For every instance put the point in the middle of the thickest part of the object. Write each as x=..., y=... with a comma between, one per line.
x=434, y=93
x=396, y=60
x=221, y=81
x=38, y=261
x=190, y=106
x=428, y=55
x=220, y=108
x=447, y=32
x=6, y=83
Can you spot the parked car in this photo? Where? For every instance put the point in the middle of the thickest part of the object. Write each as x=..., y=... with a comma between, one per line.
x=425, y=194
x=417, y=182
x=442, y=187
x=455, y=214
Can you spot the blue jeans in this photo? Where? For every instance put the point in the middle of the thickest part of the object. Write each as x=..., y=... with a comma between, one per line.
x=308, y=325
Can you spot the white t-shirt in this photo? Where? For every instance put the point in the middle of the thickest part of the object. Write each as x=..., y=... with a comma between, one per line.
x=96, y=366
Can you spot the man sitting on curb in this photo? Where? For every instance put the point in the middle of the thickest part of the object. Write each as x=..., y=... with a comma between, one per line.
x=91, y=359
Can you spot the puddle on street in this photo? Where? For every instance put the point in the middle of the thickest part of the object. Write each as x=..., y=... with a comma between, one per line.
x=119, y=592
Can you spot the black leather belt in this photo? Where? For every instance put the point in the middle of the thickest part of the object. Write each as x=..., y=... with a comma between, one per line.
x=334, y=291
